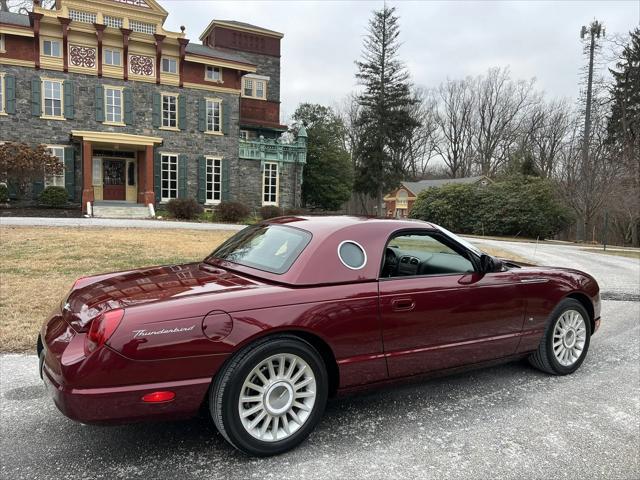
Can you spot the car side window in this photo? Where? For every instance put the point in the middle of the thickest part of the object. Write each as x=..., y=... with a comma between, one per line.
x=422, y=254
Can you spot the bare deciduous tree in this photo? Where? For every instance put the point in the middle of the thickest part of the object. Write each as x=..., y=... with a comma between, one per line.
x=454, y=119
x=501, y=110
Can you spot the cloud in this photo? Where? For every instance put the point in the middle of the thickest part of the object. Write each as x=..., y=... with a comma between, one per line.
x=439, y=39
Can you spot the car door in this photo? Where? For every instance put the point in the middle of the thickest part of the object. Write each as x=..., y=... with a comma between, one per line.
x=438, y=312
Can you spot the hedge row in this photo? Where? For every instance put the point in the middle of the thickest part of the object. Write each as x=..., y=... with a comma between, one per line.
x=522, y=206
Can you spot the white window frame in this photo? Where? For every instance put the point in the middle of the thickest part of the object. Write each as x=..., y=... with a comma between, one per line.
x=167, y=125
x=213, y=188
x=52, y=81
x=83, y=17
x=268, y=181
x=113, y=22
x=2, y=44
x=3, y=96
x=210, y=115
x=142, y=27
x=250, y=87
x=112, y=51
x=55, y=180
x=166, y=160
x=112, y=109
x=213, y=70
x=51, y=41
x=170, y=61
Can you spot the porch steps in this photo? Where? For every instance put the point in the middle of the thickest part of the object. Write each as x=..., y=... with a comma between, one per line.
x=120, y=211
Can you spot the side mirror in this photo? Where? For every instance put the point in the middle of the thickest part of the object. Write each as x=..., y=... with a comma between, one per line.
x=490, y=264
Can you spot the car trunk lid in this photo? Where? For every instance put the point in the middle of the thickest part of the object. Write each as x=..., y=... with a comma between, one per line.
x=146, y=285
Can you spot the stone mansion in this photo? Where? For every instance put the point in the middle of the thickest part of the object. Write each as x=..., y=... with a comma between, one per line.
x=141, y=115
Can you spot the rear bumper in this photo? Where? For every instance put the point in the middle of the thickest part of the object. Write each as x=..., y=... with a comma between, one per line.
x=113, y=405
x=107, y=387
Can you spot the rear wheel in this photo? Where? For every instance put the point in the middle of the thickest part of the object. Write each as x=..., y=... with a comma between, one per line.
x=270, y=396
x=566, y=340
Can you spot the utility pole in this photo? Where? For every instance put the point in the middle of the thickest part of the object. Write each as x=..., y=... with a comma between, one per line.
x=594, y=31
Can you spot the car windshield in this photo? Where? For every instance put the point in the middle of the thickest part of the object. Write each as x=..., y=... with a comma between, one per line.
x=461, y=241
x=272, y=248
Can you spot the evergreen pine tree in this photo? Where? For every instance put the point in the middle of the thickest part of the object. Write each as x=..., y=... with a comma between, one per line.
x=623, y=128
x=385, y=118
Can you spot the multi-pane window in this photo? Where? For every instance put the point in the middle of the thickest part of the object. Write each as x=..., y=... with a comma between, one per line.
x=2, y=94
x=51, y=48
x=214, y=115
x=213, y=74
x=112, y=56
x=113, y=104
x=169, y=173
x=52, y=96
x=169, y=110
x=142, y=27
x=254, y=87
x=84, y=17
x=248, y=87
x=270, y=184
x=169, y=65
x=51, y=180
x=114, y=22
x=214, y=180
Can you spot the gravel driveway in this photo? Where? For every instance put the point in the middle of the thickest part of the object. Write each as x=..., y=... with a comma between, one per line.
x=509, y=421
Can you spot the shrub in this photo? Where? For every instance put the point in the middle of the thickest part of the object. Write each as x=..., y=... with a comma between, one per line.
x=270, y=211
x=232, y=212
x=184, y=208
x=295, y=211
x=54, y=197
x=519, y=205
x=4, y=193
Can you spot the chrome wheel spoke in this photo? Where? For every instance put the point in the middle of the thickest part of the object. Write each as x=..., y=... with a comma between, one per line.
x=277, y=397
x=569, y=336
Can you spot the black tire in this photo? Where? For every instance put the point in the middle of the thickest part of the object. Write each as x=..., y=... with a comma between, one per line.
x=544, y=358
x=227, y=386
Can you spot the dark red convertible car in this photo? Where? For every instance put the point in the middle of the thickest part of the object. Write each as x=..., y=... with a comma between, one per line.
x=294, y=310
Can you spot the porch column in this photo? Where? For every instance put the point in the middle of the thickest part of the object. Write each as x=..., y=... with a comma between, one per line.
x=146, y=178
x=87, y=174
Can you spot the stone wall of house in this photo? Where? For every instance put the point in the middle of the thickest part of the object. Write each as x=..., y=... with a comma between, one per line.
x=245, y=175
x=268, y=66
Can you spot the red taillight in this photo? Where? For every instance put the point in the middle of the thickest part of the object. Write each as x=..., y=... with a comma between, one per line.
x=158, y=397
x=102, y=327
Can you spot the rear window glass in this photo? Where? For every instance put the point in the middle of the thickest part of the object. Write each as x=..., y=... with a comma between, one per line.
x=272, y=248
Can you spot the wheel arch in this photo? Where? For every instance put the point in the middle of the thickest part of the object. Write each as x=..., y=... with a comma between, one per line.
x=317, y=342
x=588, y=306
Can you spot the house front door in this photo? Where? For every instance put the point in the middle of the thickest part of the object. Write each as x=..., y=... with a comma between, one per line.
x=113, y=178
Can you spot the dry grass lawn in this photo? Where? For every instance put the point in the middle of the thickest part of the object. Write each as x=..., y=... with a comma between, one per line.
x=38, y=266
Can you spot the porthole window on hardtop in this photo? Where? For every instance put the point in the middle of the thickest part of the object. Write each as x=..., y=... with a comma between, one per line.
x=352, y=255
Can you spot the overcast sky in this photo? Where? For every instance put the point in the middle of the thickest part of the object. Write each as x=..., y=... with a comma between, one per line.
x=440, y=39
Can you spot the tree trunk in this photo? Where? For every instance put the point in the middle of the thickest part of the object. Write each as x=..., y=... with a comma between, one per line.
x=635, y=237
x=380, y=203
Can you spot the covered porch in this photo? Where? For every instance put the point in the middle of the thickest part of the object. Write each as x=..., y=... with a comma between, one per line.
x=116, y=167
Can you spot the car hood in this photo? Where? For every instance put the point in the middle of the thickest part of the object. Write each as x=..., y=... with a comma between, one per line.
x=146, y=285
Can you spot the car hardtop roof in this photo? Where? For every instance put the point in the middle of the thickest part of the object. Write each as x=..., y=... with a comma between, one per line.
x=331, y=224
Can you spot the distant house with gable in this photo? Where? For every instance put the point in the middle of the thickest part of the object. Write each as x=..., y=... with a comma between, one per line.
x=399, y=202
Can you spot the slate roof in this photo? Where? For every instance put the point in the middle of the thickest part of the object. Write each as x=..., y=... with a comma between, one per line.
x=417, y=187
x=18, y=19
x=197, y=49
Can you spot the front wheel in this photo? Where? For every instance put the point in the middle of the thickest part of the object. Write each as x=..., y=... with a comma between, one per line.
x=270, y=396
x=566, y=339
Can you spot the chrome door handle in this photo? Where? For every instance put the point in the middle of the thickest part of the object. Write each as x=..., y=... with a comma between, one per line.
x=403, y=304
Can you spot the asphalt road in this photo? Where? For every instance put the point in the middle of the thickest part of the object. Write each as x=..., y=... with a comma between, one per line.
x=509, y=421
